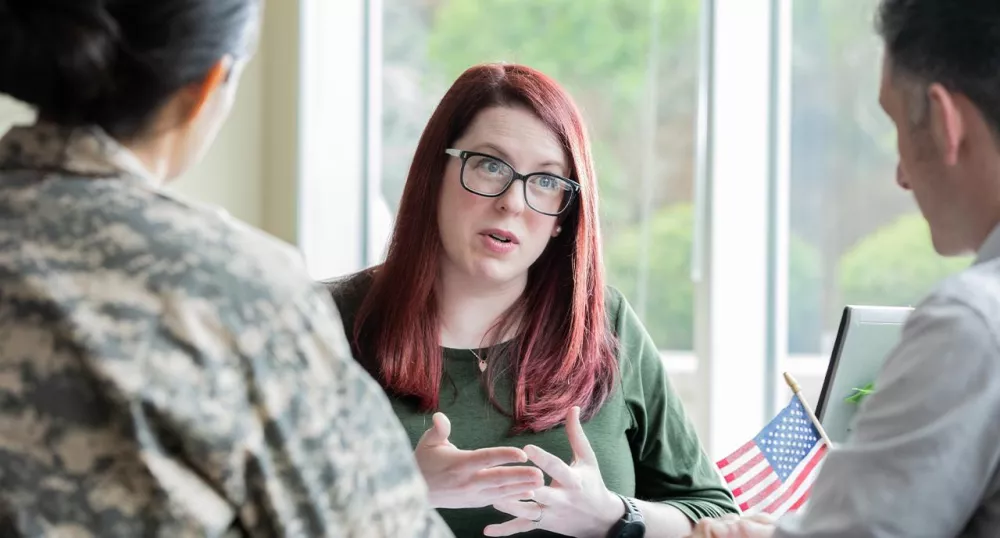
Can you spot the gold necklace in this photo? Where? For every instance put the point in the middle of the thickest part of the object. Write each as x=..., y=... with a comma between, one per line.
x=482, y=361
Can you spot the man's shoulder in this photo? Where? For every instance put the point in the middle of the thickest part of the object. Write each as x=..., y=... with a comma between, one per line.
x=966, y=303
x=976, y=287
x=954, y=327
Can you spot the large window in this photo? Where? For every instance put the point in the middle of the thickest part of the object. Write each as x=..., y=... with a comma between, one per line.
x=854, y=237
x=632, y=67
x=746, y=172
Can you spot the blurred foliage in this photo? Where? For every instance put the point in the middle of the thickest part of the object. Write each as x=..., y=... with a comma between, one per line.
x=669, y=304
x=896, y=265
x=846, y=245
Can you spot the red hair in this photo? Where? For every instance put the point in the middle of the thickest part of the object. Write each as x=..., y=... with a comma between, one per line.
x=565, y=352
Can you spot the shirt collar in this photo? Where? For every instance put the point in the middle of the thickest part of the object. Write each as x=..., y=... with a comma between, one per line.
x=991, y=247
x=84, y=151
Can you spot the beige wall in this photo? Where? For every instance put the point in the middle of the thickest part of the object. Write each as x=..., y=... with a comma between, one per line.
x=279, y=55
x=232, y=175
x=12, y=112
x=251, y=169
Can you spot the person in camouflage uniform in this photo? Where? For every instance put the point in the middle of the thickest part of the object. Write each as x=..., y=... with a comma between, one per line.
x=164, y=369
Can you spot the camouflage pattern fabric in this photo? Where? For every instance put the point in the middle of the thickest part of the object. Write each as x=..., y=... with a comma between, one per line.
x=168, y=371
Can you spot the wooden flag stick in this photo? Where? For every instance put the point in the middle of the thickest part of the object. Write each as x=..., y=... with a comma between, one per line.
x=794, y=385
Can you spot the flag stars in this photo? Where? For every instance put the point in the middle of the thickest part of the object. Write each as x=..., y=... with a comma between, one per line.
x=786, y=443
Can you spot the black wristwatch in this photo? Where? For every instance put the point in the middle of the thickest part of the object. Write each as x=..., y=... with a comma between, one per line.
x=632, y=524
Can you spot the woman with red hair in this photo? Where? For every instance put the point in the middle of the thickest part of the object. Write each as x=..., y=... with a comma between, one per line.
x=492, y=311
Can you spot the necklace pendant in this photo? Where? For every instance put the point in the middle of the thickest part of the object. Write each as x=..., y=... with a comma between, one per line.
x=482, y=365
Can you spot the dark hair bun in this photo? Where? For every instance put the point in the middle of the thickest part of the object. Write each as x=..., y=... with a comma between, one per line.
x=57, y=55
x=114, y=63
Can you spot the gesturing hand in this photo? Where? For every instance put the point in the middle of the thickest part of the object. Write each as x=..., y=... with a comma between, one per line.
x=471, y=478
x=732, y=526
x=576, y=503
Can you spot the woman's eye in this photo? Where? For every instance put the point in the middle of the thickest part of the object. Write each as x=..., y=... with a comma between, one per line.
x=550, y=183
x=489, y=166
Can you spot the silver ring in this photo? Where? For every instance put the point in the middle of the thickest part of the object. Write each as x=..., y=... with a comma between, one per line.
x=541, y=513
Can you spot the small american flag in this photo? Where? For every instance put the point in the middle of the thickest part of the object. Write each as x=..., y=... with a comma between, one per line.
x=774, y=472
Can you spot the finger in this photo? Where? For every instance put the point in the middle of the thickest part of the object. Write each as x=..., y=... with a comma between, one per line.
x=729, y=528
x=699, y=528
x=714, y=528
x=508, y=494
x=582, y=451
x=521, y=490
x=522, y=509
x=494, y=456
x=518, y=497
x=755, y=528
x=501, y=476
x=765, y=519
x=703, y=529
x=552, y=466
x=548, y=496
x=514, y=526
x=439, y=431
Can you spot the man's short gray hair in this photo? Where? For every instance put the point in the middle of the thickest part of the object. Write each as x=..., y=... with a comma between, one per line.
x=954, y=43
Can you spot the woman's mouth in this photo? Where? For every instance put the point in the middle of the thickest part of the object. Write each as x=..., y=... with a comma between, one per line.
x=499, y=241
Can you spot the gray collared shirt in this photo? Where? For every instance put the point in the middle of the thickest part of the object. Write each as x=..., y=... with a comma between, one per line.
x=168, y=371
x=923, y=458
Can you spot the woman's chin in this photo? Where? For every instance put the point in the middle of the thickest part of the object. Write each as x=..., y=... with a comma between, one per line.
x=496, y=271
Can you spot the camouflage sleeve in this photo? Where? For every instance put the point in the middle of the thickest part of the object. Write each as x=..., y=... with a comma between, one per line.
x=337, y=429
x=304, y=442
x=166, y=370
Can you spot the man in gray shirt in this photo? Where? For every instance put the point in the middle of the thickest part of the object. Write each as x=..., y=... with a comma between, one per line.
x=923, y=459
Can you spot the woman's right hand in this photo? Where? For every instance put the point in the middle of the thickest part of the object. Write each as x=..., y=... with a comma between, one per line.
x=472, y=478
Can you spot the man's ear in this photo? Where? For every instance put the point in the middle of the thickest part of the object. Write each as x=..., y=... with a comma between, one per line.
x=201, y=92
x=946, y=122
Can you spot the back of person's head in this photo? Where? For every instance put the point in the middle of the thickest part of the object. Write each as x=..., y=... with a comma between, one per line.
x=955, y=43
x=941, y=88
x=565, y=355
x=115, y=63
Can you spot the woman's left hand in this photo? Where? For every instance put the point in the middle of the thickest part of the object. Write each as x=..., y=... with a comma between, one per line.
x=576, y=503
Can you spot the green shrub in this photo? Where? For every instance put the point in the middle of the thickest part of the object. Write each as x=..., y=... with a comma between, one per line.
x=895, y=266
x=669, y=306
x=669, y=315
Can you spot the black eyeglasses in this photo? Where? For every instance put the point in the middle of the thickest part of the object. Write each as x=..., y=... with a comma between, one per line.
x=490, y=176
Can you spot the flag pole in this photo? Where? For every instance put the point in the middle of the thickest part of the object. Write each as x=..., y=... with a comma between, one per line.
x=794, y=385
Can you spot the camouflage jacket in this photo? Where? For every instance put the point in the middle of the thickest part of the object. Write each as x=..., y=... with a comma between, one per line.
x=168, y=371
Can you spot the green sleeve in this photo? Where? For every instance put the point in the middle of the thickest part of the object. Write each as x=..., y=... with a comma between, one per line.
x=671, y=465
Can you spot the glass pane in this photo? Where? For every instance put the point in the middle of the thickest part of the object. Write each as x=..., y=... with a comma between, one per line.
x=603, y=53
x=636, y=83
x=855, y=236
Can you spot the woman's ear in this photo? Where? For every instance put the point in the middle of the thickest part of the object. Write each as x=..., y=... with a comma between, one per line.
x=201, y=92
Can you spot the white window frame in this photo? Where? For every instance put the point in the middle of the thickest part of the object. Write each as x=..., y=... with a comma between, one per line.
x=741, y=190
x=332, y=129
x=732, y=337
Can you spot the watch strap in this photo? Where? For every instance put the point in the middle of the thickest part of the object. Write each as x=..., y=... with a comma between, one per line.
x=632, y=512
x=632, y=518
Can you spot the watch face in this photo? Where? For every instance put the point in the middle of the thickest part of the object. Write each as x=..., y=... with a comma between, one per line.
x=634, y=529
